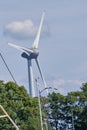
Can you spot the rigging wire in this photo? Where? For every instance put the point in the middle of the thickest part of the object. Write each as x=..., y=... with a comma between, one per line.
x=8, y=68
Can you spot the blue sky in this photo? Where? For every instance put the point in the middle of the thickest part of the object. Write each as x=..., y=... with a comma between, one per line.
x=63, y=43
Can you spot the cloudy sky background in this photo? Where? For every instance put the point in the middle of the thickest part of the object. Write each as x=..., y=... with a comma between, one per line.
x=63, y=42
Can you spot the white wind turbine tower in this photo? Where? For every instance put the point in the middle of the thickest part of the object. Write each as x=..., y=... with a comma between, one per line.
x=29, y=54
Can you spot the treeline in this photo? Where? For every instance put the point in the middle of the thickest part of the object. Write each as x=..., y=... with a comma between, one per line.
x=20, y=106
x=68, y=112
x=59, y=112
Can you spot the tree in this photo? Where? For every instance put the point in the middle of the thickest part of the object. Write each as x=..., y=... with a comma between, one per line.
x=82, y=119
x=68, y=112
x=72, y=109
x=62, y=112
x=55, y=106
x=20, y=106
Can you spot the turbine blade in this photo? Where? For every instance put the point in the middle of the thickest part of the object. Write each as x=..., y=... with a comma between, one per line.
x=23, y=49
x=35, y=44
x=38, y=64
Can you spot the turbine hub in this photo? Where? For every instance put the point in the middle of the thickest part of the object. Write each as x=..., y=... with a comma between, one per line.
x=34, y=54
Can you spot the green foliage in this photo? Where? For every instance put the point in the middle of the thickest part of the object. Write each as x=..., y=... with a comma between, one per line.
x=56, y=103
x=82, y=119
x=61, y=112
x=20, y=106
x=68, y=112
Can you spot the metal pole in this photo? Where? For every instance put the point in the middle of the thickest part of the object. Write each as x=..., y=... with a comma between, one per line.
x=45, y=122
x=39, y=94
x=40, y=102
x=73, y=122
x=41, y=121
x=40, y=110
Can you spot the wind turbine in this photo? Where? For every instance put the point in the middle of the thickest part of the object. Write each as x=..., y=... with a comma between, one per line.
x=29, y=54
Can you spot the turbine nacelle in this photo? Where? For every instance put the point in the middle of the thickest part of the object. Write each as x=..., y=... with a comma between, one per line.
x=32, y=55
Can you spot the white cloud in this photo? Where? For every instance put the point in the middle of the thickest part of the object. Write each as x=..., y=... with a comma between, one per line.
x=22, y=30
x=65, y=86
x=78, y=82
